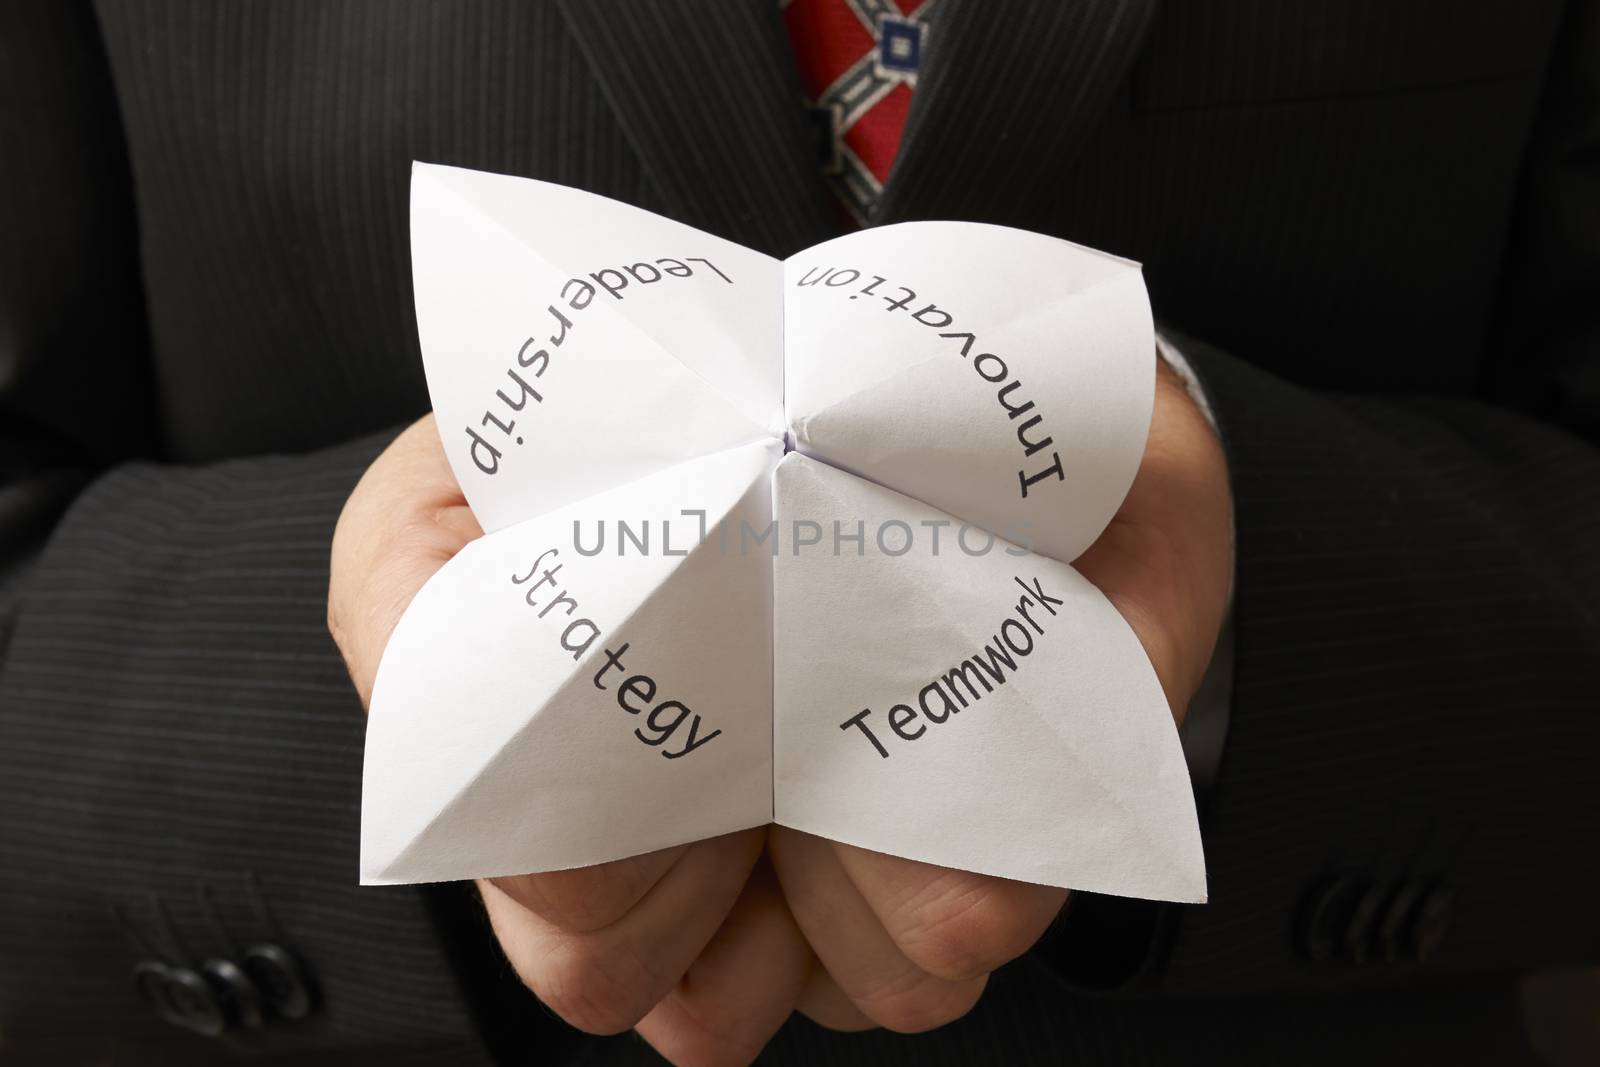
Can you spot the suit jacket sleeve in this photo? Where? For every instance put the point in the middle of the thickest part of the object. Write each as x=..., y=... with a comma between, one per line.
x=1410, y=775
x=179, y=745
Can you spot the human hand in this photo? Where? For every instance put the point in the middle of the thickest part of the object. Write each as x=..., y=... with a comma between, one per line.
x=406, y=518
x=685, y=943
x=690, y=946
x=908, y=945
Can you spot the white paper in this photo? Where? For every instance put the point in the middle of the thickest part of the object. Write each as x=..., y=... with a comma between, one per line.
x=1062, y=333
x=790, y=438
x=492, y=749
x=660, y=373
x=1034, y=741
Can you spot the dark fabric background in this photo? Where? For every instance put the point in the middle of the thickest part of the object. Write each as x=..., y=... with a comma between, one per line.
x=1374, y=225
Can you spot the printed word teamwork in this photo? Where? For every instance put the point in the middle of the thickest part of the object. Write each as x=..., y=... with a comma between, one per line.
x=496, y=432
x=967, y=682
x=677, y=730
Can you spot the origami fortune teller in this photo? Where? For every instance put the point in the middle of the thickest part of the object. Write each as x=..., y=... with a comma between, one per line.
x=773, y=541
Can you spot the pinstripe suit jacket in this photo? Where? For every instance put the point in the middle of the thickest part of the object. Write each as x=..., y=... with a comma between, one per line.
x=1376, y=223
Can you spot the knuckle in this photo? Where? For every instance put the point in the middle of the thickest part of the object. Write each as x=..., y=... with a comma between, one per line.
x=581, y=913
x=417, y=529
x=343, y=642
x=591, y=993
x=712, y=1038
x=921, y=1004
x=962, y=934
x=611, y=891
x=335, y=626
x=585, y=899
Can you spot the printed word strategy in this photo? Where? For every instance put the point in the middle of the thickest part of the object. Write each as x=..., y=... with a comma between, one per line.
x=660, y=724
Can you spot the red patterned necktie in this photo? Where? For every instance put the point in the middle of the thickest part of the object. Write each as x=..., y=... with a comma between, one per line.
x=858, y=63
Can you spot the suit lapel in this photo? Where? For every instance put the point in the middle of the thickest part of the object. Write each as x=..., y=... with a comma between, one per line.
x=1010, y=90
x=707, y=93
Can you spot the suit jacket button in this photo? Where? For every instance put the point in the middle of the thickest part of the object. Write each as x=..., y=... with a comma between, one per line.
x=236, y=992
x=1324, y=914
x=1356, y=943
x=1431, y=919
x=283, y=980
x=181, y=996
x=1394, y=928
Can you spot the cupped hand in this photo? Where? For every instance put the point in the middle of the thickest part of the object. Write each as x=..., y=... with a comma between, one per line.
x=696, y=945
x=404, y=520
x=908, y=945
x=693, y=945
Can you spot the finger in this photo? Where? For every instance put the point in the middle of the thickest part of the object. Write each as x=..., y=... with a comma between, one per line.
x=458, y=524
x=740, y=990
x=588, y=898
x=427, y=475
x=420, y=450
x=604, y=981
x=405, y=519
x=852, y=944
x=1164, y=560
x=952, y=924
x=824, y=1003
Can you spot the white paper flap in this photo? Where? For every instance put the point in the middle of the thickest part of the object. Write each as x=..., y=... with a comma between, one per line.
x=573, y=344
x=1002, y=376
x=504, y=738
x=990, y=712
x=842, y=660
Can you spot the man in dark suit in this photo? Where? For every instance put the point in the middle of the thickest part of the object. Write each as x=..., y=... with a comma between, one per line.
x=1373, y=230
